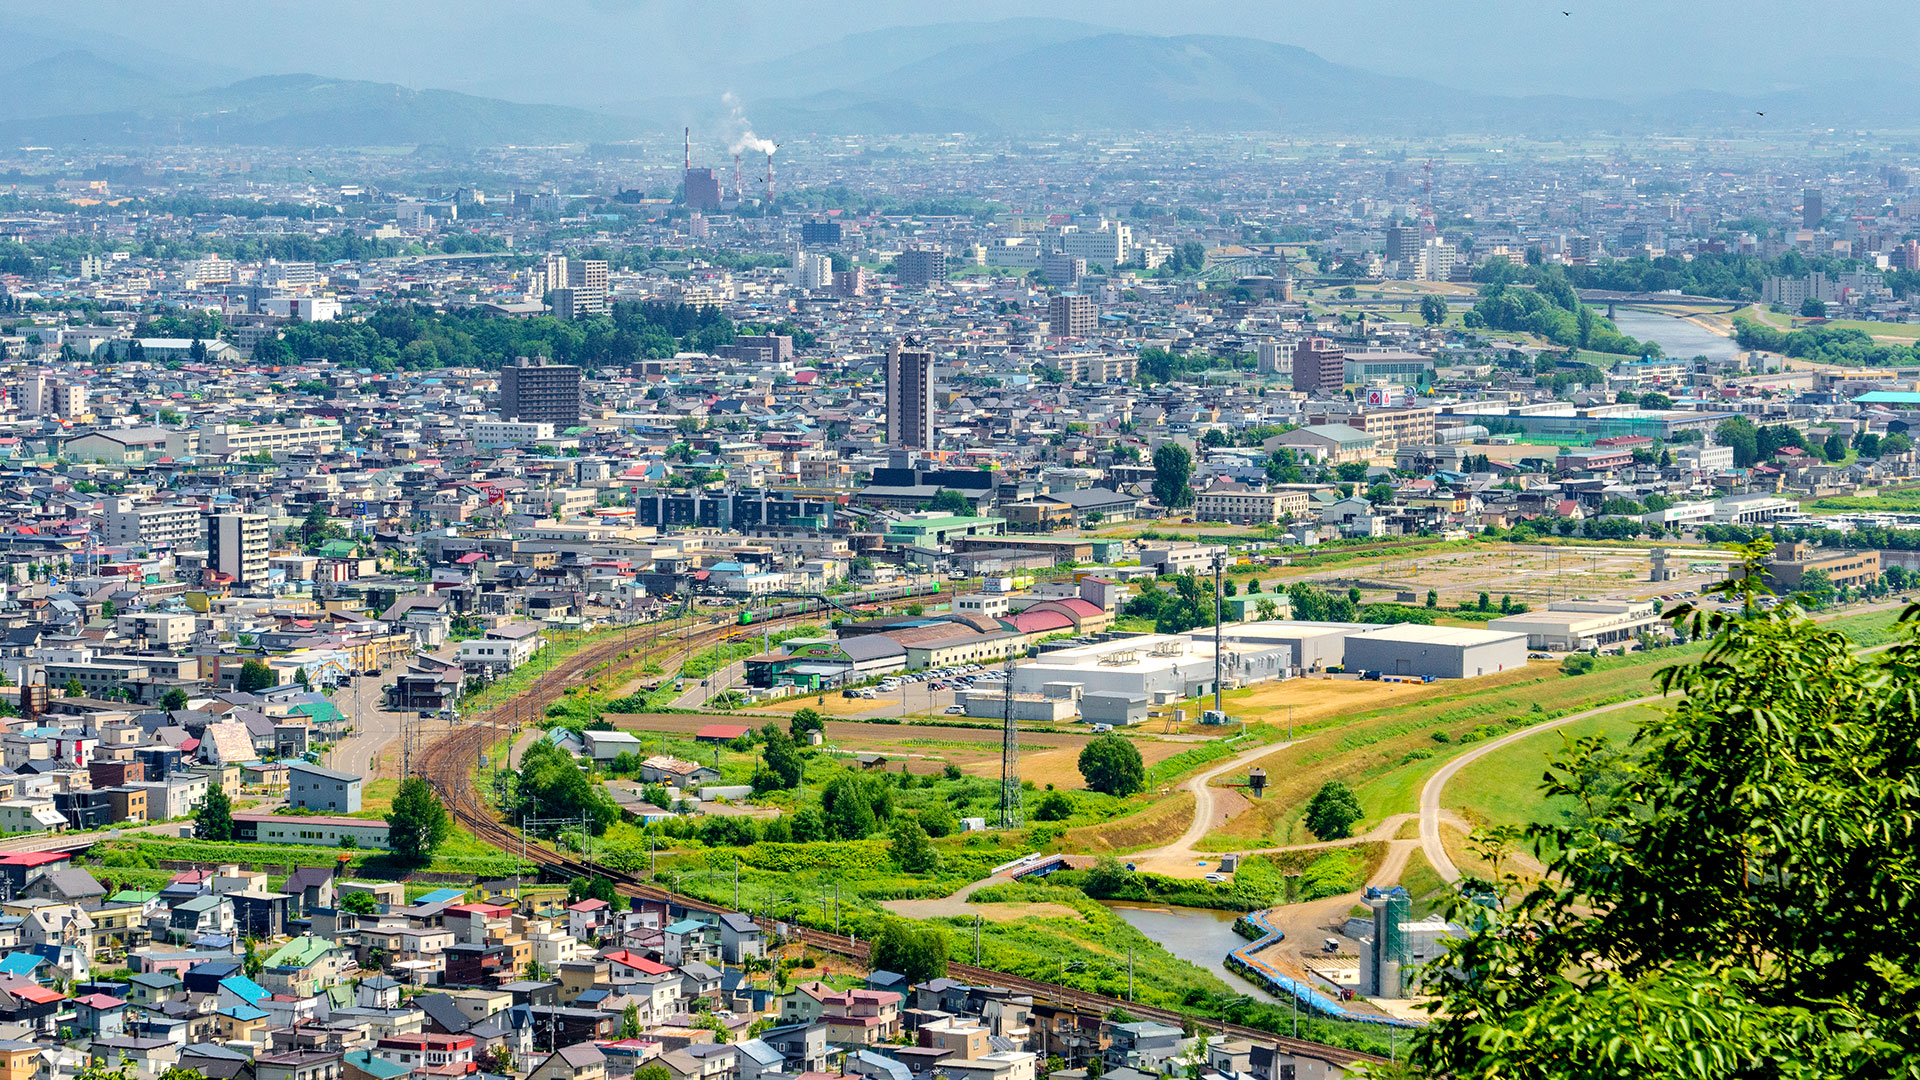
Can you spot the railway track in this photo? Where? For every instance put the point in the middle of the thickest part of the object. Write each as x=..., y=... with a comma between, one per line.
x=445, y=765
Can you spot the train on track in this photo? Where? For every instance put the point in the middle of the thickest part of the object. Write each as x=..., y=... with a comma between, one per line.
x=873, y=594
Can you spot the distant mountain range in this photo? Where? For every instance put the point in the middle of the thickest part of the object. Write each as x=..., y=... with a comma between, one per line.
x=1015, y=76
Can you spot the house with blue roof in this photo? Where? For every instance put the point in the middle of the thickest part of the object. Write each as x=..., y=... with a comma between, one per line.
x=240, y=990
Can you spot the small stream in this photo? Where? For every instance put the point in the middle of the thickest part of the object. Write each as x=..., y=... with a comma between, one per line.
x=1201, y=936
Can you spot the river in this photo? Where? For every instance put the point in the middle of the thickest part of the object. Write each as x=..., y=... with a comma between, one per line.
x=1201, y=936
x=1677, y=337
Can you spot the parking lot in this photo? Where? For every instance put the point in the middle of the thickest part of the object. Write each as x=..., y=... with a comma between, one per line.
x=920, y=692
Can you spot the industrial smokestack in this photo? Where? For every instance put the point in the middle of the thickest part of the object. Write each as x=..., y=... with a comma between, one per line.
x=689, y=165
x=769, y=178
x=739, y=192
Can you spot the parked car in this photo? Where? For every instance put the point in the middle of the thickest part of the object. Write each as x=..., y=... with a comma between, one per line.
x=955, y=710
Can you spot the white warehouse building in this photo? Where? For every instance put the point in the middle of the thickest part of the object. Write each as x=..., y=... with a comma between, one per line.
x=1575, y=625
x=1439, y=652
x=1155, y=667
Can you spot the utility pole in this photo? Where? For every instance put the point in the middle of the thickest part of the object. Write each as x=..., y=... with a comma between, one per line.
x=976, y=941
x=736, y=881
x=1129, y=971
x=1010, y=809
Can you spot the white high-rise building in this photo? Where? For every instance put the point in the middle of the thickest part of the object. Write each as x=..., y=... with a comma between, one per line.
x=1108, y=246
x=809, y=271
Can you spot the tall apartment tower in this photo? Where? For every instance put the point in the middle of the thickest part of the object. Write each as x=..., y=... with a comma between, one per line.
x=909, y=398
x=237, y=546
x=538, y=393
x=1319, y=365
x=1813, y=208
x=1071, y=315
x=578, y=286
x=921, y=266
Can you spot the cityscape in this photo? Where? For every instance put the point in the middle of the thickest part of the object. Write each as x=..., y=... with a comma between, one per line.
x=989, y=547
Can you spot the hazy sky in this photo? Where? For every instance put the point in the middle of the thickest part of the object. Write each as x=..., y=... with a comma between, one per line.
x=584, y=52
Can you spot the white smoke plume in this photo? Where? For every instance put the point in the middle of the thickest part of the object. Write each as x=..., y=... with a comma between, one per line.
x=743, y=138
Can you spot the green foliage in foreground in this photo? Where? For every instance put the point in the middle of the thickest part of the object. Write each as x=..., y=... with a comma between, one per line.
x=1744, y=898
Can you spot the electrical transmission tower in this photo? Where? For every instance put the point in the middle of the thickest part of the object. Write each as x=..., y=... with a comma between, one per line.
x=1010, y=816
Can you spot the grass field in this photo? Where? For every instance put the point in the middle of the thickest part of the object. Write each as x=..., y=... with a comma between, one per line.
x=1504, y=788
x=1385, y=753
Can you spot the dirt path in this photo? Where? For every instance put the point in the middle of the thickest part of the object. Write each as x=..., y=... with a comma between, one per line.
x=1211, y=808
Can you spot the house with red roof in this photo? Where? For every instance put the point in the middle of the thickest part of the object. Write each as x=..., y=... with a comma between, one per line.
x=586, y=918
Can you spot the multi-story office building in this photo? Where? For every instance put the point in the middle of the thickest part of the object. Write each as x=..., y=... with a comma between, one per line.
x=541, y=392
x=1108, y=246
x=289, y=275
x=820, y=232
x=909, y=398
x=1071, y=315
x=1063, y=271
x=1813, y=208
x=920, y=266
x=511, y=432
x=237, y=546
x=131, y=524
x=224, y=439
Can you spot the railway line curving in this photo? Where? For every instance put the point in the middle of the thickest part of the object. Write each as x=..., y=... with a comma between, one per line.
x=446, y=763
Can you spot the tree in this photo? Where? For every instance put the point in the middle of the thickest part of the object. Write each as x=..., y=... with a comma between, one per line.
x=1380, y=494
x=1172, y=475
x=417, y=823
x=1895, y=443
x=938, y=819
x=1813, y=308
x=1772, y=802
x=1106, y=879
x=782, y=756
x=854, y=805
x=1653, y=400
x=1433, y=598
x=214, y=820
x=951, y=502
x=1897, y=578
x=652, y=1072
x=1267, y=609
x=1739, y=433
x=360, y=903
x=1112, y=765
x=911, y=848
x=805, y=723
x=1332, y=811
x=1816, y=589
x=1835, y=447
x=918, y=954
x=630, y=1021
x=174, y=700
x=552, y=785
x=73, y=688
x=1433, y=310
x=1053, y=806
x=1485, y=602
x=255, y=675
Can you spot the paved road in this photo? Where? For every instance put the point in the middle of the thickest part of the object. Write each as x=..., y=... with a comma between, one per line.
x=376, y=729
